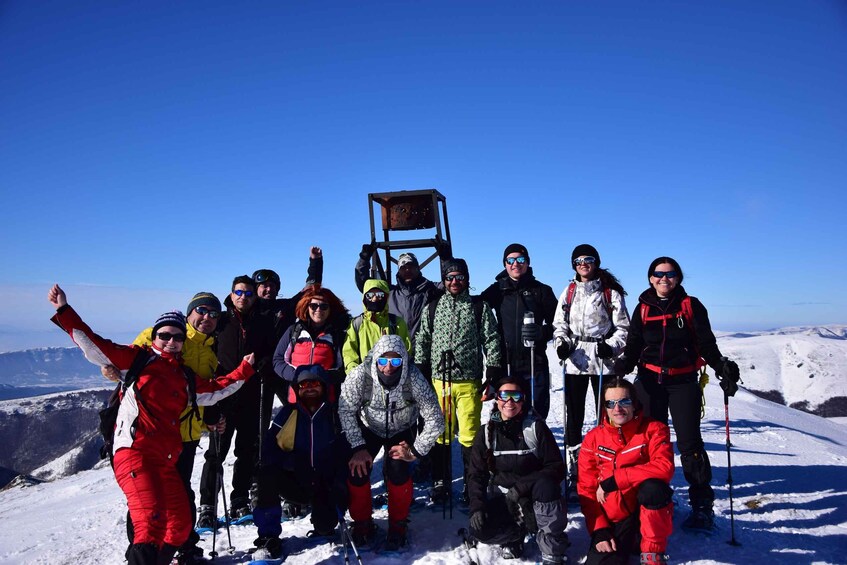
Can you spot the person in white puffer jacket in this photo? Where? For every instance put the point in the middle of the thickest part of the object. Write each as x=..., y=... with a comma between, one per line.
x=380, y=405
x=590, y=329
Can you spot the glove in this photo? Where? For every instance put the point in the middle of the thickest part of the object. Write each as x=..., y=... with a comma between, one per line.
x=530, y=332
x=445, y=250
x=729, y=376
x=604, y=350
x=478, y=519
x=367, y=251
x=513, y=496
x=564, y=350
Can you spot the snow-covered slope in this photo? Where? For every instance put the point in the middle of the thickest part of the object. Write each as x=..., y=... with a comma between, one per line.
x=790, y=503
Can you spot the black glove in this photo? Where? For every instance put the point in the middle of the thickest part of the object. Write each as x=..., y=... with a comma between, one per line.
x=530, y=332
x=729, y=376
x=493, y=374
x=564, y=350
x=478, y=519
x=445, y=250
x=512, y=495
x=604, y=350
x=602, y=534
x=426, y=370
x=367, y=251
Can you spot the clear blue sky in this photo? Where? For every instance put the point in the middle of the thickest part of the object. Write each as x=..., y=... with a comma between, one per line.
x=150, y=150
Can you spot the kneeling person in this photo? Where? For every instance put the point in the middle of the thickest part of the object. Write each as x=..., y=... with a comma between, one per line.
x=514, y=480
x=625, y=467
x=303, y=459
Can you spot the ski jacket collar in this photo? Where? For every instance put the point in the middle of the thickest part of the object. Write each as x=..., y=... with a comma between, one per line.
x=650, y=297
x=506, y=281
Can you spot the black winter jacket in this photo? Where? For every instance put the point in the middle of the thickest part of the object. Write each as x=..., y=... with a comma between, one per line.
x=518, y=471
x=673, y=344
x=282, y=309
x=510, y=301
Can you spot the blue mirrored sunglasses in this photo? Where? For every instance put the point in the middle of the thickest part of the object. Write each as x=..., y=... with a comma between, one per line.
x=624, y=403
x=669, y=274
x=384, y=361
x=247, y=293
x=519, y=260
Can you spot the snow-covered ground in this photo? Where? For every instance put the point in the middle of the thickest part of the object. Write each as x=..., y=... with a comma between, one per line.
x=790, y=500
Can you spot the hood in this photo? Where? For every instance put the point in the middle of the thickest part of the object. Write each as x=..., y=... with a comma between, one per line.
x=378, y=284
x=389, y=343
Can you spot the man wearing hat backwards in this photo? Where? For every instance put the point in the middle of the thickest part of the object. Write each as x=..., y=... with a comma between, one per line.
x=449, y=349
x=198, y=354
x=514, y=293
x=304, y=457
x=514, y=477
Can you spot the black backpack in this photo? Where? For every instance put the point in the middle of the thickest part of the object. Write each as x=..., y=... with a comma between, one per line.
x=109, y=415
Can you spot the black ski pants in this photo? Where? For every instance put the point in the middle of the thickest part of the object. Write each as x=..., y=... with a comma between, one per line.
x=576, y=387
x=681, y=394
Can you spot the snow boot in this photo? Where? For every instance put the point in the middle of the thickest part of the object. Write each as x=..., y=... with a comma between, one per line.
x=240, y=509
x=653, y=558
x=513, y=550
x=364, y=534
x=397, y=536
x=206, y=517
x=701, y=519
x=292, y=511
x=267, y=548
x=438, y=494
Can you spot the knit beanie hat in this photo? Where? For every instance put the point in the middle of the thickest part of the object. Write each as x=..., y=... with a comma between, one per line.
x=406, y=258
x=204, y=299
x=584, y=249
x=455, y=266
x=243, y=279
x=516, y=248
x=174, y=318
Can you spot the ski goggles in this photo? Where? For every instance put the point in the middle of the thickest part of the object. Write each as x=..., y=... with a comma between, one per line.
x=311, y=383
x=165, y=336
x=451, y=278
x=239, y=293
x=323, y=306
x=507, y=395
x=519, y=260
x=660, y=274
x=203, y=311
x=385, y=361
x=623, y=403
x=587, y=260
x=374, y=295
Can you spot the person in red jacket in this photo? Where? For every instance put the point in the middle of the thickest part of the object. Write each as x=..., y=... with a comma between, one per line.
x=147, y=440
x=625, y=467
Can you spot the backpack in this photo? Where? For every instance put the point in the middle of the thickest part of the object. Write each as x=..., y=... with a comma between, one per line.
x=109, y=415
x=566, y=305
x=530, y=437
x=392, y=323
x=685, y=316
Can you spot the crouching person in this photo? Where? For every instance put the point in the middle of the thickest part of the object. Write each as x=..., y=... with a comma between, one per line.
x=303, y=461
x=625, y=467
x=516, y=471
x=380, y=403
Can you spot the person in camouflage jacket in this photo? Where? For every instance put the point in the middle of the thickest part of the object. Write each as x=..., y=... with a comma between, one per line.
x=449, y=347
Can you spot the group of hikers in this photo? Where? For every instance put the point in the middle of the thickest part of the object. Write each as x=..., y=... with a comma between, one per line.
x=408, y=377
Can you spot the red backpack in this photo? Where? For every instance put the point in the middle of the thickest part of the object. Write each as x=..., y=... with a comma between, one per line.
x=685, y=316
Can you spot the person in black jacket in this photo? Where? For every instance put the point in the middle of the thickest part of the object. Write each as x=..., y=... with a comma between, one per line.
x=516, y=292
x=304, y=460
x=241, y=330
x=515, y=474
x=669, y=338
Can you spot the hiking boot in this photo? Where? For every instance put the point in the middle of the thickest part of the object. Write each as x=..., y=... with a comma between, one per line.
x=240, y=509
x=318, y=534
x=654, y=558
x=512, y=550
x=702, y=519
x=190, y=556
x=363, y=534
x=206, y=517
x=396, y=539
x=439, y=493
x=267, y=548
x=291, y=510
x=553, y=559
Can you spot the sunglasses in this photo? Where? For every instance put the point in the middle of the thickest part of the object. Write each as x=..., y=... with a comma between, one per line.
x=451, y=278
x=519, y=260
x=375, y=295
x=623, y=403
x=669, y=274
x=165, y=336
x=384, y=361
x=265, y=276
x=239, y=293
x=203, y=311
x=322, y=306
x=588, y=260
x=312, y=383
x=507, y=395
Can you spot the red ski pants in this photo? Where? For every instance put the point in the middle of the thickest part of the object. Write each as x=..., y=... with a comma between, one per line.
x=156, y=497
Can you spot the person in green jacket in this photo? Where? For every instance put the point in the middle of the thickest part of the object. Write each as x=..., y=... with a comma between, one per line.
x=449, y=347
x=366, y=328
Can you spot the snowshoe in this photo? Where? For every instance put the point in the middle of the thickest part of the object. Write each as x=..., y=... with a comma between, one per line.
x=206, y=519
x=365, y=535
x=397, y=539
x=701, y=520
x=268, y=550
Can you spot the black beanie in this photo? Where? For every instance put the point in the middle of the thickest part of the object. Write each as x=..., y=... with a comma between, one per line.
x=204, y=299
x=584, y=249
x=174, y=318
x=516, y=248
x=455, y=266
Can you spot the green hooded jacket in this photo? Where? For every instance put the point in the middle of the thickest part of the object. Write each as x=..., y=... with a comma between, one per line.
x=373, y=326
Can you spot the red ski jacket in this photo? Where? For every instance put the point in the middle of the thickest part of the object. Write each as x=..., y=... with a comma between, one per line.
x=638, y=451
x=149, y=413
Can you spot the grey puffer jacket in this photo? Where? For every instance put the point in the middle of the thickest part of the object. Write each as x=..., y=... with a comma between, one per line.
x=590, y=318
x=388, y=411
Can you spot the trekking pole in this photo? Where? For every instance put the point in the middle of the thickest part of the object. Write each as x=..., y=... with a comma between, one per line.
x=229, y=547
x=732, y=540
x=213, y=437
x=346, y=538
x=529, y=320
x=450, y=439
x=599, y=392
x=470, y=545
